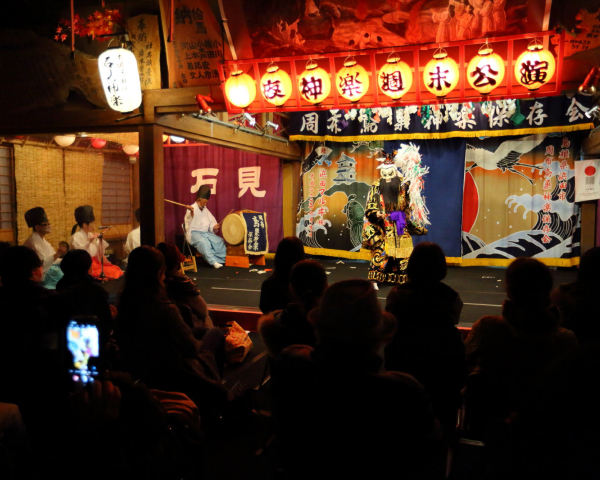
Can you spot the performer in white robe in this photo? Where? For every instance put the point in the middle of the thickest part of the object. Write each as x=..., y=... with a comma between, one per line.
x=134, y=237
x=38, y=221
x=200, y=228
x=87, y=239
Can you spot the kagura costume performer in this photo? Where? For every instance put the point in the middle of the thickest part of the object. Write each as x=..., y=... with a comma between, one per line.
x=388, y=228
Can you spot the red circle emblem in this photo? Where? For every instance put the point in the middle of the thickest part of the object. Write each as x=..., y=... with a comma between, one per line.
x=589, y=171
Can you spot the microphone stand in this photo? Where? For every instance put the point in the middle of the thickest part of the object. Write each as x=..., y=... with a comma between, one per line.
x=101, y=250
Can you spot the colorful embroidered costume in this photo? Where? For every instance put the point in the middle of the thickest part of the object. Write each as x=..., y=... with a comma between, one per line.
x=388, y=229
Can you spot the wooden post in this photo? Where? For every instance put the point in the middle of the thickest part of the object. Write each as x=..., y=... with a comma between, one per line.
x=588, y=225
x=291, y=187
x=152, y=188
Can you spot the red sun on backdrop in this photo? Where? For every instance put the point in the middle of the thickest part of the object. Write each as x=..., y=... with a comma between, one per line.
x=589, y=171
x=470, y=203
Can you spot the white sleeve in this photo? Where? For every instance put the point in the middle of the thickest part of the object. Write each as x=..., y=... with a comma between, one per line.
x=187, y=221
x=77, y=244
x=129, y=243
x=212, y=222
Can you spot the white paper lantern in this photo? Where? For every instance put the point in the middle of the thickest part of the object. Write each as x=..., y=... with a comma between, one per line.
x=120, y=79
x=131, y=149
x=65, y=140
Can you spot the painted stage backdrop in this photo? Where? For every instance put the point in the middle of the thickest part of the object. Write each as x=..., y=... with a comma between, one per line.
x=239, y=180
x=277, y=28
x=519, y=199
x=335, y=182
x=489, y=199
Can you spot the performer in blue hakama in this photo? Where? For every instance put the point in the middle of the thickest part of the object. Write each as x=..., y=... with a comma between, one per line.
x=200, y=229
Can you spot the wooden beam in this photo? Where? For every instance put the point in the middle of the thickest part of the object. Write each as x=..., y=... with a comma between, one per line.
x=66, y=121
x=216, y=134
x=152, y=188
x=180, y=97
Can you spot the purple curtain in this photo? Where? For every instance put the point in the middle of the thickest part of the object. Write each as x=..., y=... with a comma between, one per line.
x=230, y=173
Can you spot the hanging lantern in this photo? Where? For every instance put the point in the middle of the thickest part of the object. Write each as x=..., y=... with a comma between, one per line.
x=352, y=81
x=165, y=138
x=485, y=70
x=65, y=140
x=240, y=89
x=441, y=74
x=535, y=66
x=314, y=83
x=395, y=77
x=98, y=143
x=276, y=86
x=131, y=149
x=176, y=139
x=120, y=77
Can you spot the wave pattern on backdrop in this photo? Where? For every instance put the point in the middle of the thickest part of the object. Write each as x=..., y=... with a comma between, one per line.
x=335, y=183
x=519, y=200
x=239, y=180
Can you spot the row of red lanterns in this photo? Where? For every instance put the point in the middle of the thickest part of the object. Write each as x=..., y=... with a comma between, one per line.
x=534, y=68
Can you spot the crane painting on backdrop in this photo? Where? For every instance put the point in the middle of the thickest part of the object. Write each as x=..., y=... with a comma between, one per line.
x=519, y=197
x=336, y=178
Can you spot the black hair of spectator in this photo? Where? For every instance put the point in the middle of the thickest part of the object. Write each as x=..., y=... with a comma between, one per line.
x=18, y=264
x=308, y=280
x=289, y=252
x=145, y=267
x=137, y=214
x=528, y=283
x=76, y=262
x=427, y=263
x=172, y=255
x=4, y=246
x=589, y=266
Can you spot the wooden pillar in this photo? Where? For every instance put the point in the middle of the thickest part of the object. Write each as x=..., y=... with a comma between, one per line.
x=152, y=187
x=291, y=187
x=588, y=225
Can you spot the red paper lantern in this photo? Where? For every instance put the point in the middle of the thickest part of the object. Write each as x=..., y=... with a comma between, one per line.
x=440, y=74
x=98, y=143
x=535, y=67
x=486, y=70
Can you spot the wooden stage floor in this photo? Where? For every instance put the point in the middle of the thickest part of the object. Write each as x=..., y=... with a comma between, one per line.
x=481, y=288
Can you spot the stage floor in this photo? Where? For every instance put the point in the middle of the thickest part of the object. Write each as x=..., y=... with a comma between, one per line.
x=481, y=288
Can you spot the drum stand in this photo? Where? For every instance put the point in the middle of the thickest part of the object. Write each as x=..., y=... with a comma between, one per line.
x=236, y=255
x=103, y=278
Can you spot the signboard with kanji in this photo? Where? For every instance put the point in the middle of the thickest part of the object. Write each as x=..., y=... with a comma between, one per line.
x=196, y=46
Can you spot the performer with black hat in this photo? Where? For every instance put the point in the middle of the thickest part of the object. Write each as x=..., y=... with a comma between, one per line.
x=87, y=239
x=38, y=221
x=200, y=228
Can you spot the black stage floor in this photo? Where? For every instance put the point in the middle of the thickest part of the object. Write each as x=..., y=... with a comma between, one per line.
x=481, y=288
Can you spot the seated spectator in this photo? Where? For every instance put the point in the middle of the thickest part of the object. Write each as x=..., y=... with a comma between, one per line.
x=427, y=344
x=510, y=353
x=579, y=302
x=79, y=293
x=155, y=343
x=182, y=289
x=25, y=331
x=274, y=292
x=554, y=436
x=290, y=326
x=339, y=415
x=4, y=246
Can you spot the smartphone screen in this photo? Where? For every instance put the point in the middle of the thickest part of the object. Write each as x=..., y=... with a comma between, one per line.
x=84, y=344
